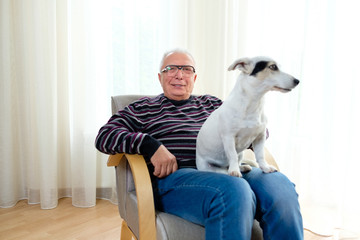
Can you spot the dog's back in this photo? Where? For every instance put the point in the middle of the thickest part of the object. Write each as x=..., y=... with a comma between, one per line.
x=208, y=141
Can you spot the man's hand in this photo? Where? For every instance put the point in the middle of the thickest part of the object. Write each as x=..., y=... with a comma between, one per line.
x=164, y=162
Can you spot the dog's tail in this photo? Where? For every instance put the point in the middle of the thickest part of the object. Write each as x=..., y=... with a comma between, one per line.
x=250, y=162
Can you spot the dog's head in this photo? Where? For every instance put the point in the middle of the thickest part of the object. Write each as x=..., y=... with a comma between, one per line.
x=264, y=71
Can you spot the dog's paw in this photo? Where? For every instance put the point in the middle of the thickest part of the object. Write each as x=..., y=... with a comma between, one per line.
x=268, y=168
x=245, y=168
x=235, y=174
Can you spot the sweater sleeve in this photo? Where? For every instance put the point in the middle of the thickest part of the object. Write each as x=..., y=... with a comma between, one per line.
x=123, y=134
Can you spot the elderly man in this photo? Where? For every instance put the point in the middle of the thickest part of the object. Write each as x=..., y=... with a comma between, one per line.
x=164, y=130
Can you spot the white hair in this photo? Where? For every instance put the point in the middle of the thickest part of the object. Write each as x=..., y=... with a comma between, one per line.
x=176, y=50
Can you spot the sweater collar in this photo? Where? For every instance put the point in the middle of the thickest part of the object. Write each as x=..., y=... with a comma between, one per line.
x=178, y=103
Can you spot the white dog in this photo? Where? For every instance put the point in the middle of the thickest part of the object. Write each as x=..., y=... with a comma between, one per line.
x=240, y=121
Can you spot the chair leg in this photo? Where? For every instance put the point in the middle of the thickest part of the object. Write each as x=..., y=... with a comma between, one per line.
x=126, y=233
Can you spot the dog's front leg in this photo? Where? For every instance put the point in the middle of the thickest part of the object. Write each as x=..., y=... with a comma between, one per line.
x=258, y=146
x=232, y=156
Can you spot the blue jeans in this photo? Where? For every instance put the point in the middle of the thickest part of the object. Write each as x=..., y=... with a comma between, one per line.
x=227, y=205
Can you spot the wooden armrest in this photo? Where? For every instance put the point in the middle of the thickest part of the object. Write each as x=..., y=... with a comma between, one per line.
x=144, y=193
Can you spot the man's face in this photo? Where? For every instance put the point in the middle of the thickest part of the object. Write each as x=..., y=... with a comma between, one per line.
x=180, y=86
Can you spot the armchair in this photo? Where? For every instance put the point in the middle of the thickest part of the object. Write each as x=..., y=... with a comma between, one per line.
x=135, y=197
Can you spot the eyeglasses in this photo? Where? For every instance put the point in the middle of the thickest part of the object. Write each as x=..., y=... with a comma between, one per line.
x=172, y=70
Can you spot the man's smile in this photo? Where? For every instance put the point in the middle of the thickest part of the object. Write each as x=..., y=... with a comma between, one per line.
x=178, y=85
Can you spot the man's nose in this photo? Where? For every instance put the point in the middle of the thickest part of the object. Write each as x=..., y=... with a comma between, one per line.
x=179, y=73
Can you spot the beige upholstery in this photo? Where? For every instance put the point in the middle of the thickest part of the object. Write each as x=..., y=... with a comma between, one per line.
x=135, y=198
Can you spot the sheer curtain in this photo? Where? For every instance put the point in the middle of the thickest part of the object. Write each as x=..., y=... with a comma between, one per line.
x=314, y=129
x=62, y=60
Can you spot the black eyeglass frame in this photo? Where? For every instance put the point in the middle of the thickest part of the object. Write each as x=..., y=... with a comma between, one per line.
x=180, y=67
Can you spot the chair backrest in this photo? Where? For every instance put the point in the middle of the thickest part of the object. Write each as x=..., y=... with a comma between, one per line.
x=127, y=200
x=121, y=101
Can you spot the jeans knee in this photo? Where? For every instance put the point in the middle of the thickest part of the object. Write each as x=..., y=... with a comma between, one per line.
x=283, y=203
x=232, y=210
x=286, y=208
x=237, y=194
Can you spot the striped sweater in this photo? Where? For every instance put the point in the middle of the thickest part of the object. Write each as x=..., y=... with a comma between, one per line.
x=147, y=123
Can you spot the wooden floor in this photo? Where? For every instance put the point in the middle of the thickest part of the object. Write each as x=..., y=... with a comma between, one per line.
x=64, y=222
x=67, y=222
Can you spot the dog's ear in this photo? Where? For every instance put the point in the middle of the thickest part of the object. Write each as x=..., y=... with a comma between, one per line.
x=243, y=64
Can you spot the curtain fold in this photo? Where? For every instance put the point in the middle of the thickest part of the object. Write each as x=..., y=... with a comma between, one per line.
x=60, y=61
x=49, y=103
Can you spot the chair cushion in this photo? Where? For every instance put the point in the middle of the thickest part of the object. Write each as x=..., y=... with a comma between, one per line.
x=172, y=227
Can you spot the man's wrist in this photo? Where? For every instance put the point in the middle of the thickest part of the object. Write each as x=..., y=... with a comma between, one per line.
x=149, y=146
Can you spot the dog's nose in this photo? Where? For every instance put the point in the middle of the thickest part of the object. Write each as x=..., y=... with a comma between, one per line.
x=296, y=82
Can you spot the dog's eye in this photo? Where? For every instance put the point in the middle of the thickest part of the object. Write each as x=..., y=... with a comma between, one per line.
x=273, y=67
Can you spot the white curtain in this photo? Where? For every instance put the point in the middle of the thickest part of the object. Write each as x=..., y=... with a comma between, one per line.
x=55, y=83
x=62, y=60
x=314, y=129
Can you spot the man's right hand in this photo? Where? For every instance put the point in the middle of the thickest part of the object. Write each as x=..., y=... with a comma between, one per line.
x=164, y=162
